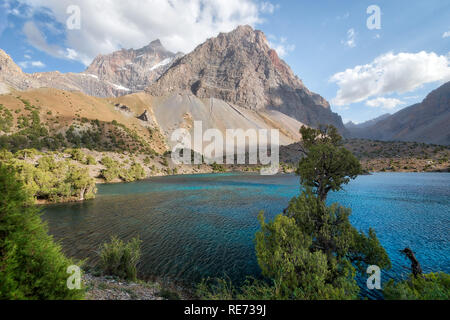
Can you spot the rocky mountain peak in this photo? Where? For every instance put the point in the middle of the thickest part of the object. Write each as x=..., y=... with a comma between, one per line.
x=155, y=43
x=239, y=67
x=116, y=74
x=133, y=69
x=7, y=65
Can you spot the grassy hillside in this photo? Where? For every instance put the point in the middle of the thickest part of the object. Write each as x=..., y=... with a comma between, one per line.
x=382, y=156
x=62, y=143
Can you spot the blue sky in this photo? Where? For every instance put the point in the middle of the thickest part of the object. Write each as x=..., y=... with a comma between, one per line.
x=363, y=73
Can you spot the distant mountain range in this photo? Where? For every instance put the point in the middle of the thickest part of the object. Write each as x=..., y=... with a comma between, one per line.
x=428, y=122
x=353, y=126
x=121, y=72
x=234, y=80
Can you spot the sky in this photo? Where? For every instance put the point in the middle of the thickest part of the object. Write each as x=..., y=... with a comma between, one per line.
x=367, y=58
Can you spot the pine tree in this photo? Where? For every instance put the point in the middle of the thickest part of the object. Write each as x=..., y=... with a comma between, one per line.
x=312, y=251
x=32, y=265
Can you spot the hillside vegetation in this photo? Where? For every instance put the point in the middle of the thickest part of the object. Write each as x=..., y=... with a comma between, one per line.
x=387, y=156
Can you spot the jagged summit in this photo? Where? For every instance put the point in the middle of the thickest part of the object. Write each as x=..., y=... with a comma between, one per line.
x=155, y=43
x=133, y=69
x=239, y=67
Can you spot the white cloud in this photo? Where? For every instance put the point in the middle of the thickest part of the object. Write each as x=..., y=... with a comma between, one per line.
x=267, y=7
x=181, y=25
x=37, y=64
x=351, y=41
x=281, y=46
x=343, y=17
x=31, y=64
x=446, y=34
x=37, y=39
x=384, y=103
x=390, y=73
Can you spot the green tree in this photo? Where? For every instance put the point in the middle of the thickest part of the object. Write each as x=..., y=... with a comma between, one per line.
x=432, y=286
x=32, y=265
x=312, y=251
x=83, y=186
x=285, y=256
x=328, y=251
x=327, y=165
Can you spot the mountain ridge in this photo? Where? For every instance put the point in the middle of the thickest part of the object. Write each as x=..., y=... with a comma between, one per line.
x=121, y=72
x=427, y=121
x=239, y=67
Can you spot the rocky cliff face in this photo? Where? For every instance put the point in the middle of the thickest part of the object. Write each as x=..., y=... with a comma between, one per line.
x=240, y=68
x=427, y=122
x=133, y=69
x=116, y=74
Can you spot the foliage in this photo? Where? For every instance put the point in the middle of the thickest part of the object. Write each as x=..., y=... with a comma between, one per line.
x=331, y=232
x=32, y=265
x=31, y=133
x=313, y=251
x=90, y=161
x=432, y=286
x=327, y=165
x=54, y=181
x=5, y=155
x=223, y=289
x=217, y=167
x=136, y=172
x=112, y=170
x=120, y=259
x=76, y=154
x=6, y=119
x=26, y=153
x=285, y=256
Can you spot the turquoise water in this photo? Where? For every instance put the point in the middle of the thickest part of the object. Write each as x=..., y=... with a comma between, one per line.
x=197, y=226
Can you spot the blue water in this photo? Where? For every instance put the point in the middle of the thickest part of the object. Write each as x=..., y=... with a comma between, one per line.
x=197, y=226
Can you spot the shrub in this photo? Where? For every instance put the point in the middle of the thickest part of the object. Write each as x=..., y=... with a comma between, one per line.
x=217, y=167
x=6, y=119
x=432, y=286
x=76, y=154
x=90, y=160
x=223, y=289
x=137, y=171
x=5, y=155
x=55, y=181
x=112, y=170
x=110, y=174
x=32, y=264
x=120, y=259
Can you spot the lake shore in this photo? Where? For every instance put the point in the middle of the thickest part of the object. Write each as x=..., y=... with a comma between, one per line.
x=203, y=226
